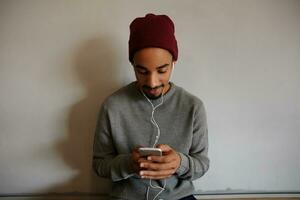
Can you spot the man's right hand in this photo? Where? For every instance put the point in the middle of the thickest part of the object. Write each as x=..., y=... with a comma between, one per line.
x=135, y=157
